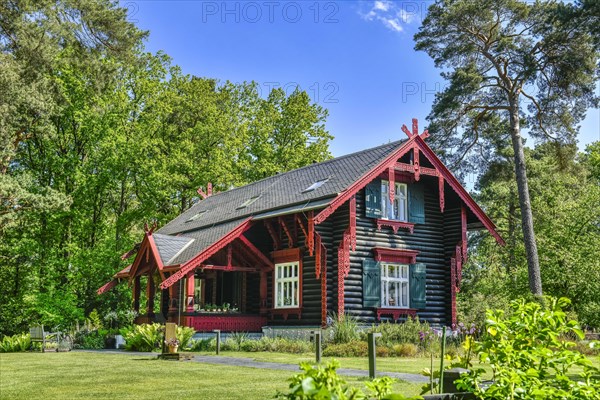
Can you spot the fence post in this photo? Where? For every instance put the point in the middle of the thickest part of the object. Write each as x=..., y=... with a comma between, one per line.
x=371, y=345
x=318, y=345
x=218, y=334
x=441, y=381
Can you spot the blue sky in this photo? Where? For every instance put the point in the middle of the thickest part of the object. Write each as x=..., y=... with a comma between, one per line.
x=355, y=58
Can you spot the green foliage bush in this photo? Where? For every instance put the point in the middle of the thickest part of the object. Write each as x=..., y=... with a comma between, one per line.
x=406, y=332
x=148, y=337
x=354, y=348
x=184, y=335
x=281, y=345
x=405, y=350
x=529, y=357
x=323, y=383
x=15, y=343
x=344, y=329
x=90, y=339
x=144, y=337
x=203, y=345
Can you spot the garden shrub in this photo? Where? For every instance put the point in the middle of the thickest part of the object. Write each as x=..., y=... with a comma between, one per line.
x=529, y=359
x=344, y=328
x=144, y=337
x=90, y=339
x=294, y=346
x=405, y=350
x=323, y=383
x=184, y=334
x=229, y=345
x=383, y=351
x=283, y=345
x=405, y=332
x=352, y=349
x=203, y=345
x=15, y=343
x=238, y=338
x=252, y=346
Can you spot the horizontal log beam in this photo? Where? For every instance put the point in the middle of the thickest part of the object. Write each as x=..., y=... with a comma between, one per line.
x=404, y=167
x=227, y=268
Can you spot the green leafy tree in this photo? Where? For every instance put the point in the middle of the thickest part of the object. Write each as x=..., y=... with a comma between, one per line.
x=509, y=65
x=565, y=197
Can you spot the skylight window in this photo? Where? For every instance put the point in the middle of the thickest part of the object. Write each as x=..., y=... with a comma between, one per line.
x=195, y=216
x=248, y=202
x=315, y=185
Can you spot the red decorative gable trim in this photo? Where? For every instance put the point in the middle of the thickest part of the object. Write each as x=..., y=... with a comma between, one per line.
x=108, y=286
x=415, y=142
x=147, y=248
x=364, y=180
x=318, y=256
x=311, y=232
x=124, y=273
x=343, y=268
x=211, y=250
x=401, y=256
x=459, y=189
x=352, y=223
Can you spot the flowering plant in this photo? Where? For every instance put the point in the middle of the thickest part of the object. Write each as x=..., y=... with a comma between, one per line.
x=172, y=342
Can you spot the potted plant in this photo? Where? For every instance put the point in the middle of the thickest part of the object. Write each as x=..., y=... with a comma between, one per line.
x=172, y=345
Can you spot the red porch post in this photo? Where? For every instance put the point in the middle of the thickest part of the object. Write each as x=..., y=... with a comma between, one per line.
x=263, y=292
x=173, y=299
x=190, y=291
x=136, y=294
x=150, y=295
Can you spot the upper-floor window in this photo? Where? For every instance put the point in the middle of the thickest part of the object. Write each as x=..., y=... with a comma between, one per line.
x=398, y=210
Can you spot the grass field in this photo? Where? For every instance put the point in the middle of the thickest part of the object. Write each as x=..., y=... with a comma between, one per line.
x=78, y=375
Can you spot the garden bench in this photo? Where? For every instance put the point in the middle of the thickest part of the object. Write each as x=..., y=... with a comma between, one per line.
x=38, y=334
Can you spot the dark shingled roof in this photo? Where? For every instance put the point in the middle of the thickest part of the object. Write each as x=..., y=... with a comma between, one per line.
x=203, y=238
x=209, y=220
x=279, y=191
x=170, y=246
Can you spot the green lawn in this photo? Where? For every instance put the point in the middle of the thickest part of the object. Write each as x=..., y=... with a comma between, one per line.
x=78, y=375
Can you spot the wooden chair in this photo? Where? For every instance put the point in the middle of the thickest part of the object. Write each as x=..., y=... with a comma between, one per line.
x=38, y=334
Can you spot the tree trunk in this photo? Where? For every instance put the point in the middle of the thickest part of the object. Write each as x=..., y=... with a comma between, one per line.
x=533, y=263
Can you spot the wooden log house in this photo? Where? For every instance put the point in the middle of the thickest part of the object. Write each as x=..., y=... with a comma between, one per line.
x=380, y=234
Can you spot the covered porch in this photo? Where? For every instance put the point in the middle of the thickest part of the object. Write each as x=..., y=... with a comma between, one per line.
x=223, y=287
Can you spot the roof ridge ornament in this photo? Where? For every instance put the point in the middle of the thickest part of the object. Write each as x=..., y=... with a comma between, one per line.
x=152, y=228
x=415, y=130
x=208, y=193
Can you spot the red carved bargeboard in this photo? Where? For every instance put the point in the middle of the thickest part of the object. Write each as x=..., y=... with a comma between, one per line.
x=226, y=323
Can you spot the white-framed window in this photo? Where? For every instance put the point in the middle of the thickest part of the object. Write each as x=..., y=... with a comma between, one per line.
x=399, y=209
x=394, y=285
x=287, y=285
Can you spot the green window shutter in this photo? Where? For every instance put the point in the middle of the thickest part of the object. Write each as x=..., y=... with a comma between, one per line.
x=371, y=283
x=418, y=275
x=416, y=203
x=373, y=199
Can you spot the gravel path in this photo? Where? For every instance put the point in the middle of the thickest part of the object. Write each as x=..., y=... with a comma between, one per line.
x=250, y=363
